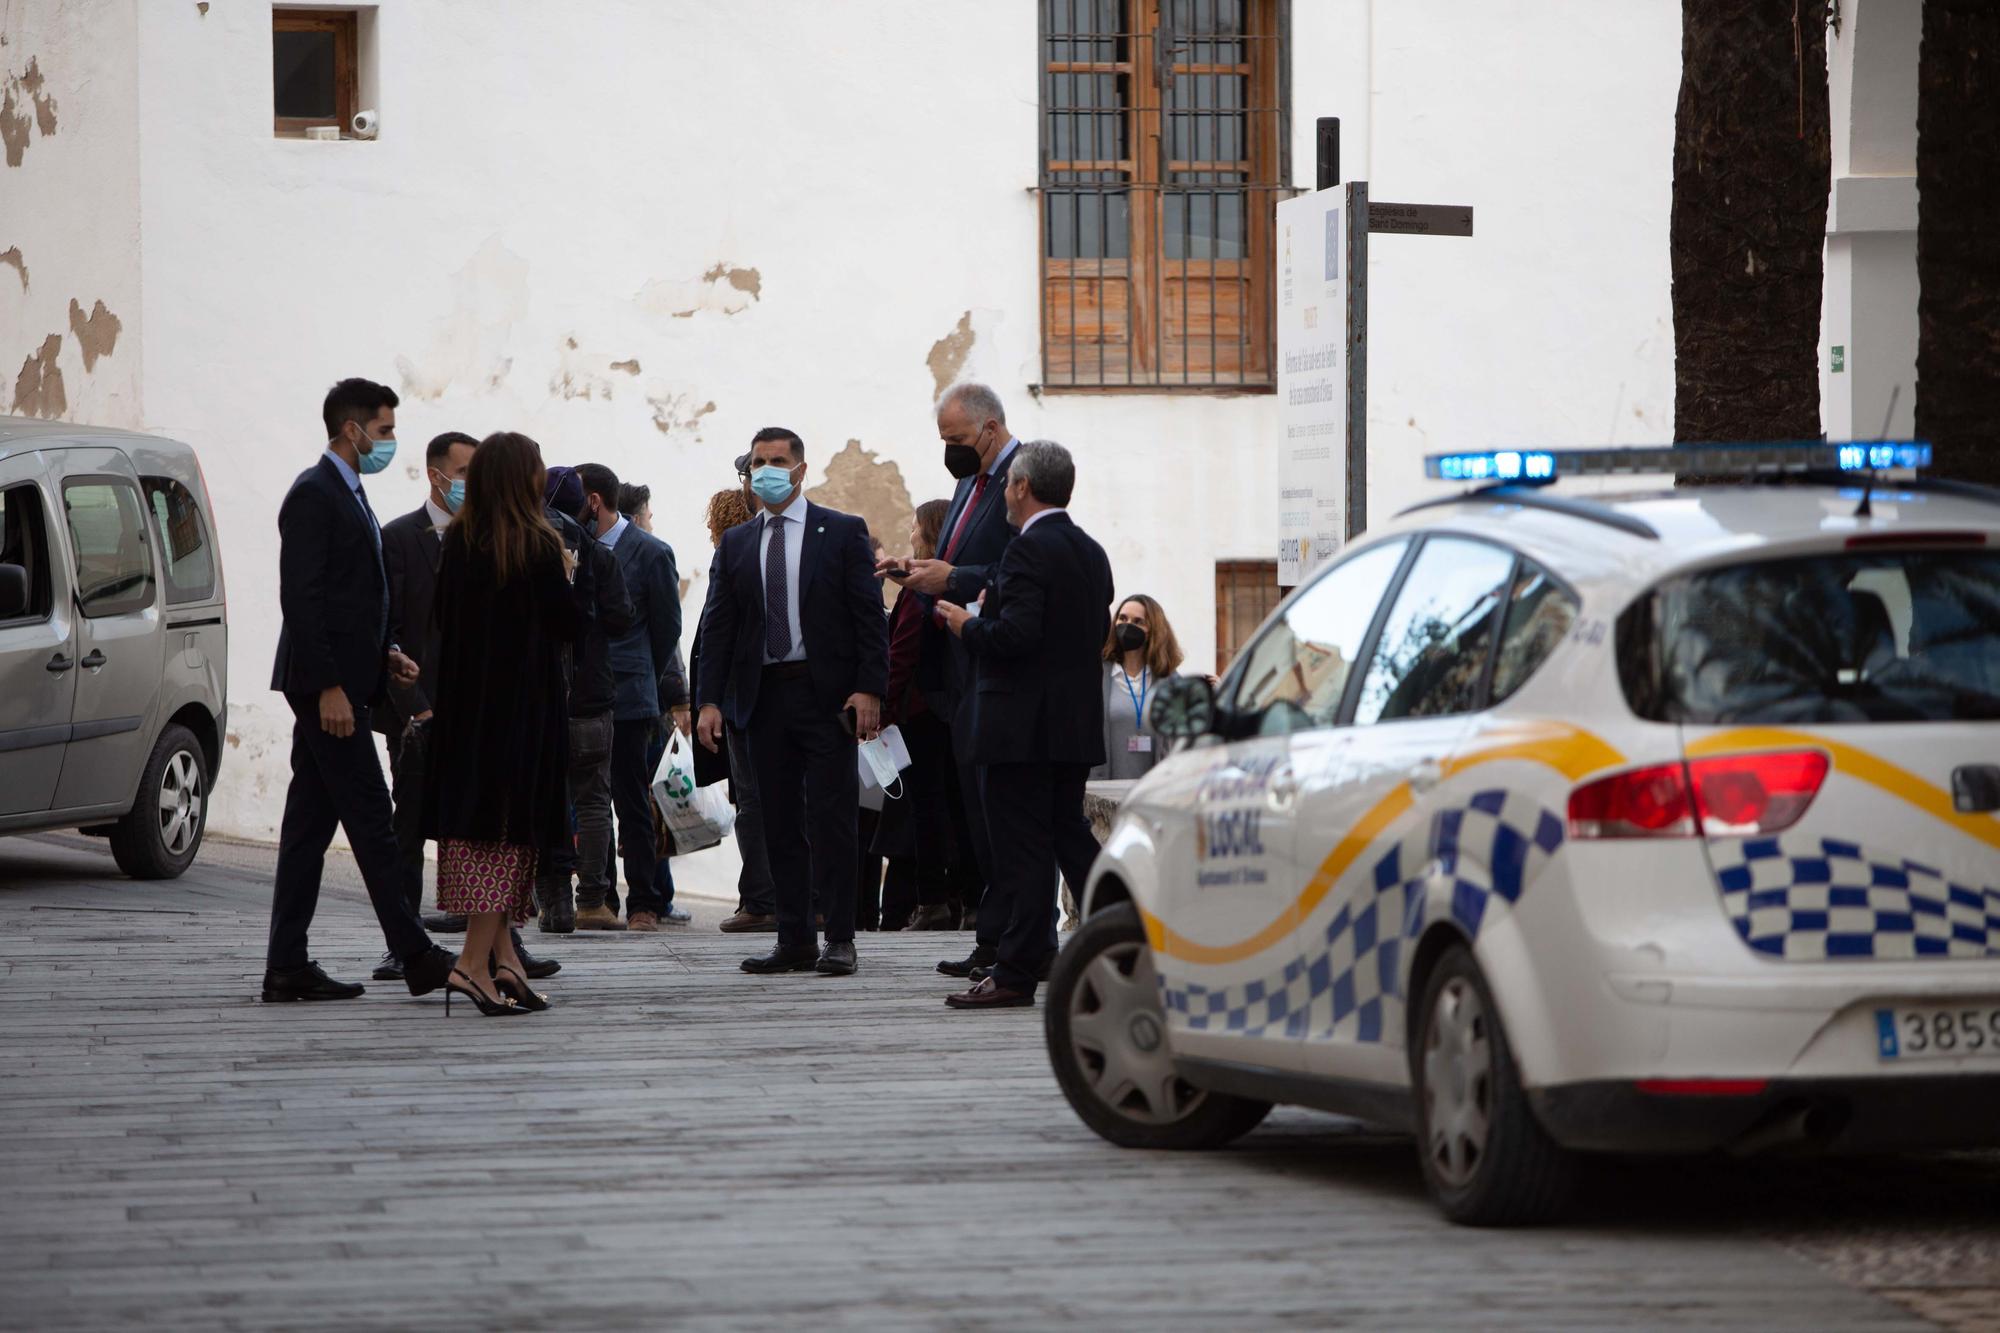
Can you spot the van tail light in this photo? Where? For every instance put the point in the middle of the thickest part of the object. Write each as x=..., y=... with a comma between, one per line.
x=1724, y=796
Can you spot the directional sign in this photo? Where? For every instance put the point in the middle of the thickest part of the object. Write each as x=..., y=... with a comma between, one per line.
x=1420, y=219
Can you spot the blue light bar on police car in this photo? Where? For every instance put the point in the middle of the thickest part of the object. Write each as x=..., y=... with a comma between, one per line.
x=1538, y=467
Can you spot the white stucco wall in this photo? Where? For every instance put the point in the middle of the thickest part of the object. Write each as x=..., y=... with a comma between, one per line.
x=69, y=212
x=558, y=174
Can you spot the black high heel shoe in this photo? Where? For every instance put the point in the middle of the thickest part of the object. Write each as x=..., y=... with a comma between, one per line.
x=490, y=1008
x=515, y=987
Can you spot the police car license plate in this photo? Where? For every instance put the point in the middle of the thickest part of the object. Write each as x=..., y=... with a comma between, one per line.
x=1938, y=1031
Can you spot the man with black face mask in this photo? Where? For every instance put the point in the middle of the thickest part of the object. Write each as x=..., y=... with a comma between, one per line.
x=977, y=450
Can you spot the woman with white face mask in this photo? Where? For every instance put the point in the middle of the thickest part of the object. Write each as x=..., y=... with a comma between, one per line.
x=1141, y=653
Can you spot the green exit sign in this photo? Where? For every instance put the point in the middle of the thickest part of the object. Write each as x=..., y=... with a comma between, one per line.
x=1839, y=359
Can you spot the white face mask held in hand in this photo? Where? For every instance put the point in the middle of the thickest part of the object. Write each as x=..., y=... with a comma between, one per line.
x=884, y=760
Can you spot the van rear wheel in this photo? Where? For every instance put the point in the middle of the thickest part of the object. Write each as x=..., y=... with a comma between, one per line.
x=159, y=836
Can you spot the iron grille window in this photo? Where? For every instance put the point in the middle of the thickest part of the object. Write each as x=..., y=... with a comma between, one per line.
x=1162, y=162
x=1246, y=593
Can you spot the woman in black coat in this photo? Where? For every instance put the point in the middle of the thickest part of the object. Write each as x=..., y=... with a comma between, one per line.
x=494, y=795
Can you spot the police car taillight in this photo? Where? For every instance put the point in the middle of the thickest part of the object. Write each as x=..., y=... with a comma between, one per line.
x=1724, y=796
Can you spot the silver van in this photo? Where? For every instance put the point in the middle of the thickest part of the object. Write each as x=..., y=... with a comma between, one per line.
x=114, y=641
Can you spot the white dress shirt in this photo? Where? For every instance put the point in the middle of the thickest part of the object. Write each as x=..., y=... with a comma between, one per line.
x=1039, y=515
x=440, y=517
x=795, y=541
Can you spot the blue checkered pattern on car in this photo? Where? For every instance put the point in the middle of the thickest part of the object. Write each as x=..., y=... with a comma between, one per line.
x=1808, y=899
x=1351, y=986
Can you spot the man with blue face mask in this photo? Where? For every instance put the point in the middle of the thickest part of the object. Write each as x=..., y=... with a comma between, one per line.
x=411, y=546
x=336, y=662
x=795, y=656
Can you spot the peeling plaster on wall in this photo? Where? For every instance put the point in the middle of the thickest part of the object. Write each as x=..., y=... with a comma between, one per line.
x=468, y=346
x=629, y=367
x=98, y=335
x=12, y=255
x=676, y=412
x=13, y=127
x=586, y=375
x=948, y=354
x=723, y=290
x=38, y=389
x=202, y=7
x=45, y=107
x=858, y=482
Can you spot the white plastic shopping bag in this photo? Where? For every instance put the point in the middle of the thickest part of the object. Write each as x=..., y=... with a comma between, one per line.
x=696, y=817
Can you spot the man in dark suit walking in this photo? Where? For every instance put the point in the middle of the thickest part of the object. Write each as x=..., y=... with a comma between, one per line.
x=978, y=448
x=647, y=675
x=335, y=663
x=793, y=642
x=1038, y=713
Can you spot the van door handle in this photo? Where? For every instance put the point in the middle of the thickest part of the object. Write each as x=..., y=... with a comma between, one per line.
x=59, y=664
x=95, y=660
x=1425, y=775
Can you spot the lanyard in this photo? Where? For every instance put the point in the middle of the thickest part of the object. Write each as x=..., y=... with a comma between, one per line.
x=1138, y=698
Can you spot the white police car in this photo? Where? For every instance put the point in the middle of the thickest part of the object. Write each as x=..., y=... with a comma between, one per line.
x=1543, y=825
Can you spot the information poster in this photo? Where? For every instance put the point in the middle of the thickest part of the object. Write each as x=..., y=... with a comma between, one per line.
x=1312, y=381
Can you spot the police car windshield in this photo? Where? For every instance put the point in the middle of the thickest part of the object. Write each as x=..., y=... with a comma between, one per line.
x=1891, y=637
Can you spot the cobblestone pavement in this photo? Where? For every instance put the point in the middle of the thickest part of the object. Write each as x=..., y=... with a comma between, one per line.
x=677, y=1143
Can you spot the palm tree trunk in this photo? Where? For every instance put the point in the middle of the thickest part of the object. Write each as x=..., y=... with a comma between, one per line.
x=1958, y=237
x=1752, y=168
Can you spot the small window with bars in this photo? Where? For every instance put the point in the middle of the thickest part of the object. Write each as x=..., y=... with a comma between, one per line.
x=1162, y=162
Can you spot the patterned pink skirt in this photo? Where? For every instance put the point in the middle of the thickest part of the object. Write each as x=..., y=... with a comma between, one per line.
x=486, y=877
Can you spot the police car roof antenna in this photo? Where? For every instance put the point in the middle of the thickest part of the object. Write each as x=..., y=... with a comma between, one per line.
x=1866, y=509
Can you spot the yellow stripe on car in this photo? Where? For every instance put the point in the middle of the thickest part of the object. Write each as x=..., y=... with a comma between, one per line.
x=1855, y=763
x=1570, y=751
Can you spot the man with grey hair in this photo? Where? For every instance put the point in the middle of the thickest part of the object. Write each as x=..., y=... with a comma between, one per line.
x=1038, y=716
x=977, y=449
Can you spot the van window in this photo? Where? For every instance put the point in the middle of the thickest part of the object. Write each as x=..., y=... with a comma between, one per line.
x=185, y=551
x=107, y=527
x=1909, y=636
x=1294, y=675
x=24, y=541
x=1430, y=660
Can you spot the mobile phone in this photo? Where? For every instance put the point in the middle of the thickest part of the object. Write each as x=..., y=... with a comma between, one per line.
x=850, y=724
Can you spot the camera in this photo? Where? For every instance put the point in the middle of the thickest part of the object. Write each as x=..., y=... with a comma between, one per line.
x=366, y=124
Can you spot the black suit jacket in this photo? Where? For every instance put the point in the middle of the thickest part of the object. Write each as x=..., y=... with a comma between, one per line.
x=944, y=672
x=332, y=591
x=840, y=616
x=410, y=549
x=1039, y=648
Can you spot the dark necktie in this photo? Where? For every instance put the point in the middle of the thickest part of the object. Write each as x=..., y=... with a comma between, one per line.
x=965, y=518
x=368, y=509
x=777, y=598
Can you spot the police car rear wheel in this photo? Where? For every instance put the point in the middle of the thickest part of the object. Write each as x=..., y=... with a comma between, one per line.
x=1486, y=1158
x=1107, y=1042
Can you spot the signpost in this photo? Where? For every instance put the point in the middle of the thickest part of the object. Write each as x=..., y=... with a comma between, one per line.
x=1323, y=354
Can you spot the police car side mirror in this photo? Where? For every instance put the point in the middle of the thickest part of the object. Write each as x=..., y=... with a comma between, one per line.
x=1183, y=708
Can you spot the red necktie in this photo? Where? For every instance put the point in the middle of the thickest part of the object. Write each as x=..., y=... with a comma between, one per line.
x=965, y=519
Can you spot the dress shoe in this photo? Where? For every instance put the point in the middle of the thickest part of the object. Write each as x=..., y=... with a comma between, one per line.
x=305, y=983
x=745, y=922
x=597, y=918
x=644, y=922
x=981, y=956
x=536, y=968
x=558, y=917
x=804, y=959
x=445, y=923
x=933, y=916
x=676, y=916
x=389, y=969
x=990, y=994
x=837, y=960
x=1041, y=973
x=428, y=970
